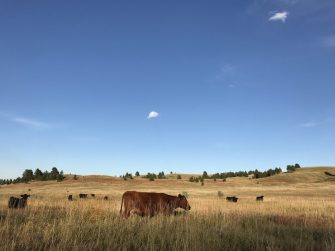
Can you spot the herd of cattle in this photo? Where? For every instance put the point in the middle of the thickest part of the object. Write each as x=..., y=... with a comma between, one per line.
x=84, y=196
x=138, y=203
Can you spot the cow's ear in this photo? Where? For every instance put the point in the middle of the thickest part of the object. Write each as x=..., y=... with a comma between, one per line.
x=180, y=196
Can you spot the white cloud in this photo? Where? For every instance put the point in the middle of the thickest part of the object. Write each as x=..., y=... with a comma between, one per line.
x=152, y=115
x=328, y=41
x=279, y=16
x=31, y=123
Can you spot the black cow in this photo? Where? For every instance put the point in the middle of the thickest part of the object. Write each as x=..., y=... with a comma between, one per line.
x=93, y=195
x=83, y=195
x=14, y=202
x=106, y=198
x=70, y=198
x=260, y=198
x=231, y=199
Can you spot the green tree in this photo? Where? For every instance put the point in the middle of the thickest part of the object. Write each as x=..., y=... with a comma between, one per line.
x=27, y=175
x=54, y=173
x=60, y=176
x=137, y=174
x=38, y=175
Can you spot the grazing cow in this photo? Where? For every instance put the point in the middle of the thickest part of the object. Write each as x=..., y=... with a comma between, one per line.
x=70, y=198
x=260, y=198
x=106, y=198
x=14, y=202
x=93, y=195
x=150, y=204
x=83, y=195
x=231, y=199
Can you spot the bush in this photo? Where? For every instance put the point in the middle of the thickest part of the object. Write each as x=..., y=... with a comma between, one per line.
x=292, y=168
x=220, y=194
x=178, y=177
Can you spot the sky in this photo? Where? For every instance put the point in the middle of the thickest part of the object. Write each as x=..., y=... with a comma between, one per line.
x=108, y=87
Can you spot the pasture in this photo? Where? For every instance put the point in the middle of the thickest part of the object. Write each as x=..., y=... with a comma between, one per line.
x=298, y=213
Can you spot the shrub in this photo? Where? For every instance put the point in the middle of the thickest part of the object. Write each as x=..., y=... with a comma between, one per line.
x=178, y=177
x=220, y=194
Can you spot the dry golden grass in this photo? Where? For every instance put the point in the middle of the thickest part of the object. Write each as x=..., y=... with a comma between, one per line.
x=297, y=214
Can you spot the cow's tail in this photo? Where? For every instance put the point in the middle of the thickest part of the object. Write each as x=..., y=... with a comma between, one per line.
x=121, y=205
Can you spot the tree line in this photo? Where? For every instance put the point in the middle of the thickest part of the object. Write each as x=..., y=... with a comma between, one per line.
x=150, y=176
x=38, y=175
x=256, y=174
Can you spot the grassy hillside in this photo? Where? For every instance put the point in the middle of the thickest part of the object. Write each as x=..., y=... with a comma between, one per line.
x=302, y=175
x=297, y=214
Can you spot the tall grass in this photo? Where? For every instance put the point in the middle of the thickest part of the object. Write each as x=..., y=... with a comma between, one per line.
x=213, y=224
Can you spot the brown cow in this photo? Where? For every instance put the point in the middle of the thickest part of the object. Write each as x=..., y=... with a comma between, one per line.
x=150, y=204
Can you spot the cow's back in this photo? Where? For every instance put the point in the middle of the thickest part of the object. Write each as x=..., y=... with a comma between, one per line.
x=146, y=203
x=13, y=202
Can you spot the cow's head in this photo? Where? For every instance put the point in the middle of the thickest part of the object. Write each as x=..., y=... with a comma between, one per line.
x=25, y=196
x=183, y=203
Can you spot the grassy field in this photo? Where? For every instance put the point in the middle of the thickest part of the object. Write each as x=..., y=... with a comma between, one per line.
x=298, y=214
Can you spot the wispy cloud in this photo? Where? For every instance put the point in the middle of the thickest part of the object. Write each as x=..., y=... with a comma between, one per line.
x=328, y=41
x=152, y=115
x=279, y=16
x=225, y=71
x=309, y=124
x=312, y=123
x=31, y=123
x=28, y=122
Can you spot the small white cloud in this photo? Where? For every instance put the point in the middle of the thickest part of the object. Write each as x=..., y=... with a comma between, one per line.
x=328, y=41
x=152, y=115
x=279, y=16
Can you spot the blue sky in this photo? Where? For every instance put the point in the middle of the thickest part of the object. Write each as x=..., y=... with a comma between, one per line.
x=229, y=85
